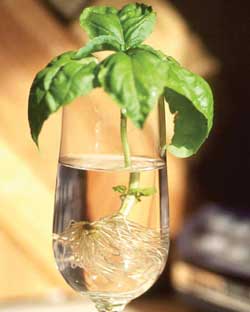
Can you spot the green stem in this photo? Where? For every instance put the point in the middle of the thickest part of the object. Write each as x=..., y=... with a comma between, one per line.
x=124, y=139
x=134, y=178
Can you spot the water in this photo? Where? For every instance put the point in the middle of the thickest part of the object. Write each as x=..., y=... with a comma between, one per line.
x=98, y=249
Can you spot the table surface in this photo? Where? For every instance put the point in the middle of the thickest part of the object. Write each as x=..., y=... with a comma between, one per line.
x=146, y=305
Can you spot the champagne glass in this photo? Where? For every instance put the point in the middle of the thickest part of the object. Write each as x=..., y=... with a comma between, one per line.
x=110, y=232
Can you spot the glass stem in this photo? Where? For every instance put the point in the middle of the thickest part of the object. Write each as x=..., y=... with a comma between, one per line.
x=134, y=178
x=106, y=307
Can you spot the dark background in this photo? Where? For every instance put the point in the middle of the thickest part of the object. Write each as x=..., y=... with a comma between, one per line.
x=222, y=171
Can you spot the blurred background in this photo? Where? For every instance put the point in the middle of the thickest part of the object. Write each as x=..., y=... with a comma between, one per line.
x=209, y=264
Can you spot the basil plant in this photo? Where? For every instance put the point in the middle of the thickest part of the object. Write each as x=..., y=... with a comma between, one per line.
x=135, y=75
x=116, y=258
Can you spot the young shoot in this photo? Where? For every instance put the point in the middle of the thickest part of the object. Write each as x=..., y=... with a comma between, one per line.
x=135, y=75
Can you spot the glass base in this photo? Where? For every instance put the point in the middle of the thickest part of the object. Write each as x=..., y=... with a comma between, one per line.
x=109, y=304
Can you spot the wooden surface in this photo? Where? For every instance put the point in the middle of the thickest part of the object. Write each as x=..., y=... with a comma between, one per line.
x=142, y=305
x=30, y=37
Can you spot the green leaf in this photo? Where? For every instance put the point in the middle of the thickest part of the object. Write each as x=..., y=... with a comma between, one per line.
x=147, y=191
x=98, y=44
x=59, y=83
x=137, y=22
x=190, y=98
x=122, y=189
x=139, y=192
x=110, y=29
x=157, y=53
x=102, y=21
x=135, y=80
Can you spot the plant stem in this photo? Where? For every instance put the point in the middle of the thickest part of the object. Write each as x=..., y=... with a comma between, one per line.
x=134, y=177
x=124, y=139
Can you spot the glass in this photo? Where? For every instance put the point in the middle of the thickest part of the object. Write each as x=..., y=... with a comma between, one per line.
x=110, y=232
